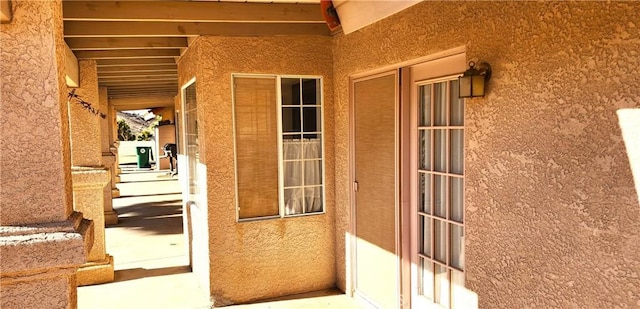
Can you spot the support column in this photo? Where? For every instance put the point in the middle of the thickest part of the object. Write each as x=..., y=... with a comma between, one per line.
x=42, y=240
x=115, y=176
x=108, y=158
x=89, y=176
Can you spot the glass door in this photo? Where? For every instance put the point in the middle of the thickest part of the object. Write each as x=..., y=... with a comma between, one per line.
x=438, y=176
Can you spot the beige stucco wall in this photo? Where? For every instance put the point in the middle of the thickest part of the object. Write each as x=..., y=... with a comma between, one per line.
x=35, y=156
x=552, y=216
x=261, y=259
x=85, y=126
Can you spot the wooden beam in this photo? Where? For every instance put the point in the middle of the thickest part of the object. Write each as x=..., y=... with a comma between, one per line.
x=141, y=101
x=138, y=68
x=126, y=43
x=5, y=11
x=188, y=11
x=140, y=84
x=170, y=79
x=77, y=29
x=127, y=53
x=134, y=62
x=130, y=74
x=71, y=70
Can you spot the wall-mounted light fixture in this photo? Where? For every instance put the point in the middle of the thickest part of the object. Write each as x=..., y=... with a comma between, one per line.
x=473, y=81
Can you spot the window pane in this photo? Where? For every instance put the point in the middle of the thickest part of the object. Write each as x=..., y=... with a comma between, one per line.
x=457, y=246
x=425, y=105
x=256, y=146
x=457, y=153
x=311, y=119
x=293, y=201
x=312, y=148
x=456, y=201
x=458, y=292
x=425, y=235
x=292, y=174
x=440, y=104
x=440, y=238
x=310, y=92
x=425, y=149
x=427, y=278
x=439, y=196
x=441, y=286
x=457, y=105
x=312, y=172
x=290, y=119
x=440, y=151
x=313, y=199
x=290, y=91
x=292, y=147
x=425, y=193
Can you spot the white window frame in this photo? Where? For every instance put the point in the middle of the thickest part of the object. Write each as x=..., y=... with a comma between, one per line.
x=321, y=132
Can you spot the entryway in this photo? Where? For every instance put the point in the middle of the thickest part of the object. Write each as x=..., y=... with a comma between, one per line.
x=407, y=172
x=151, y=260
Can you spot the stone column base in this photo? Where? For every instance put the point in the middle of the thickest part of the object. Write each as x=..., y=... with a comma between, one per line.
x=96, y=272
x=39, y=263
x=110, y=217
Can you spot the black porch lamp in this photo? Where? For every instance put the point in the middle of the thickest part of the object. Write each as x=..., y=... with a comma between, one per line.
x=472, y=82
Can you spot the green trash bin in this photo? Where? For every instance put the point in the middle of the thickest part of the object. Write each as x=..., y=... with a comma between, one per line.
x=144, y=156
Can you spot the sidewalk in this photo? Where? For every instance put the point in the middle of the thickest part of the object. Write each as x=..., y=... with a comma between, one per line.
x=151, y=263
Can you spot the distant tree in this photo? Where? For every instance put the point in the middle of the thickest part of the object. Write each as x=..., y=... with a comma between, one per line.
x=124, y=131
x=144, y=136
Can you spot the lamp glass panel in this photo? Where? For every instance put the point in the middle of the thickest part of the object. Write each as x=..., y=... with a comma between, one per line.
x=465, y=86
x=477, y=86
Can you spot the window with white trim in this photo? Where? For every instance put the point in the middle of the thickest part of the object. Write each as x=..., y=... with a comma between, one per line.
x=278, y=145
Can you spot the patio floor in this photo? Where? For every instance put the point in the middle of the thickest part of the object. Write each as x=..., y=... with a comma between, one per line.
x=151, y=263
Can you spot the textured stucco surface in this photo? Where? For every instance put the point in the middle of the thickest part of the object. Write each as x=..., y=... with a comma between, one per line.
x=88, y=184
x=85, y=126
x=269, y=258
x=22, y=295
x=36, y=180
x=552, y=216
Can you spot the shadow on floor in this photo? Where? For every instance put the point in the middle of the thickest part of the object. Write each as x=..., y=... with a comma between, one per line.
x=164, y=217
x=140, y=273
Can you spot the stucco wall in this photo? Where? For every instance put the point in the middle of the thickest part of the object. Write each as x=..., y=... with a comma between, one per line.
x=552, y=216
x=261, y=259
x=35, y=156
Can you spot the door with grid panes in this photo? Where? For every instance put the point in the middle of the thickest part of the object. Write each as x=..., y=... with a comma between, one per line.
x=438, y=190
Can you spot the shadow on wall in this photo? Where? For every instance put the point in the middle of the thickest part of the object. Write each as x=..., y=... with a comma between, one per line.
x=629, y=119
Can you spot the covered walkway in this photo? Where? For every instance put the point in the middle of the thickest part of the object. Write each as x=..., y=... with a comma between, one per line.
x=151, y=263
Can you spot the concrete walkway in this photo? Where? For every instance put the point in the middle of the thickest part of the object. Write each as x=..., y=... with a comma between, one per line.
x=151, y=263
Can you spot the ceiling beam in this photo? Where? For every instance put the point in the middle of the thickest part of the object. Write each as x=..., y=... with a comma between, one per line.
x=134, y=62
x=127, y=53
x=71, y=69
x=5, y=11
x=77, y=29
x=144, y=102
x=129, y=74
x=138, y=68
x=126, y=43
x=140, y=84
x=188, y=11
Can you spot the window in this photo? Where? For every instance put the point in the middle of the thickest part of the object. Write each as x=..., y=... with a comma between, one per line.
x=441, y=191
x=192, y=147
x=279, y=146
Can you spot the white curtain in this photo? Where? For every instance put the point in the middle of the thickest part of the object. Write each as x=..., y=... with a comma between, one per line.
x=305, y=174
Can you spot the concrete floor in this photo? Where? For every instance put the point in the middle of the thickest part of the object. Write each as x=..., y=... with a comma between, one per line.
x=151, y=263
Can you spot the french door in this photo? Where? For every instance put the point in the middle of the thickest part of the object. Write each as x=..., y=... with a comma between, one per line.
x=437, y=189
